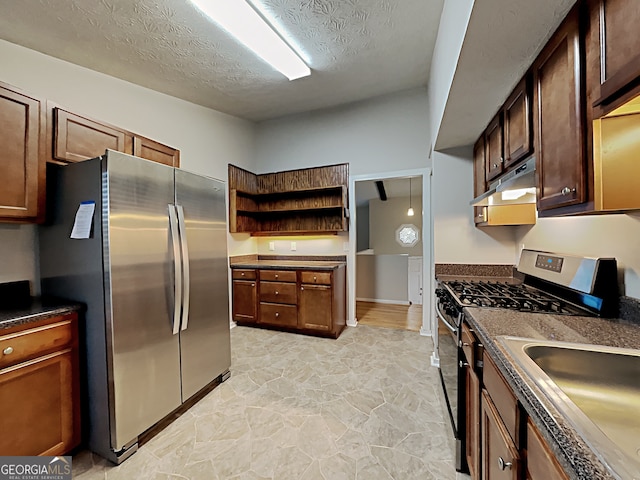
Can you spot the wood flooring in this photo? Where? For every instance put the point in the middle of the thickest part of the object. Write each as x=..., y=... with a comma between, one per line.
x=400, y=317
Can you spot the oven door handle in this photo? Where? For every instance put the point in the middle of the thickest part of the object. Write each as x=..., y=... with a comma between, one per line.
x=444, y=320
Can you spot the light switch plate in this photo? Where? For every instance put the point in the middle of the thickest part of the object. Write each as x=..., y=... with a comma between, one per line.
x=272, y=246
x=293, y=246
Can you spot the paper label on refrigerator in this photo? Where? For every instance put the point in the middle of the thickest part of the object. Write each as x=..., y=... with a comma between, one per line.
x=84, y=220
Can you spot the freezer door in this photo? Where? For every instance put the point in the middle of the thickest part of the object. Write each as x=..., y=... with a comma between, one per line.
x=144, y=364
x=205, y=341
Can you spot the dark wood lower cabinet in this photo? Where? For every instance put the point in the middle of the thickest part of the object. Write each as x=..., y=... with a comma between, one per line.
x=245, y=301
x=473, y=423
x=500, y=458
x=306, y=301
x=39, y=388
x=541, y=463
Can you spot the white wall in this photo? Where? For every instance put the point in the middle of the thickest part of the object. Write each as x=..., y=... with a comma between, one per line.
x=383, y=134
x=383, y=278
x=451, y=32
x=385, y=218
x=305, y=245
x=207, y=139
x=17, y=258
x=456, y=239
x=596, y=236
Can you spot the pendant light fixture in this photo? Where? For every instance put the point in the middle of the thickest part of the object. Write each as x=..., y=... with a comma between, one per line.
x=410, y=211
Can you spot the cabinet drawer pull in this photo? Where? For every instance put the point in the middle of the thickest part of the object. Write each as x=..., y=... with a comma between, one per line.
x=276, y=275
x=277, y=314
x=503, y=465
x=463, y=364
x=242, y=273
x=8, y=351
x=567, y=191
x=301, y=288
x=276, y=292
x=315, y=278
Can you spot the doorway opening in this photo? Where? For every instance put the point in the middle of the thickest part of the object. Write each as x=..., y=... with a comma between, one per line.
x=391, y=250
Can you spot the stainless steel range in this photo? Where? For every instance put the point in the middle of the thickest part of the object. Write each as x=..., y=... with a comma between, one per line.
x=553, y=284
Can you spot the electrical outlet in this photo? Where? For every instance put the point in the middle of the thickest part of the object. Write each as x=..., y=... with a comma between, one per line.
x=272, y=246
x=293, y=246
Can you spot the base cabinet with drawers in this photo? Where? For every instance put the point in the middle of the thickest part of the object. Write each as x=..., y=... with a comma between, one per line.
x=305, y=301
x=502, y=442
x=40, y=387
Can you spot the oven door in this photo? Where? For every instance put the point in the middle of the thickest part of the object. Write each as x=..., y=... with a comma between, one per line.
x=451, y=375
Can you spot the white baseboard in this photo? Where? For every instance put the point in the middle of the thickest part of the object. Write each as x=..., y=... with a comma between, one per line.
x=435, y=360
x=352, y=323
x=387, y=302
x=424, y=332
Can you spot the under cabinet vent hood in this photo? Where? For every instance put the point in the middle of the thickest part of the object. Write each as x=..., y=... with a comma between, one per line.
x=513, y=188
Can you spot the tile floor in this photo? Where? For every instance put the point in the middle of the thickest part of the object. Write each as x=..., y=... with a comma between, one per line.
x=367, y=406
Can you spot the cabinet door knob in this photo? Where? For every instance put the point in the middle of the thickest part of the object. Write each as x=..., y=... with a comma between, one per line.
x=8, y=351
x=276, y=292
x=495, y=165
x=301, y=288
x=463, y=364
x=277, y=314
x=503, y=465
x=253, y=284
x=567, y=191
x=315, y=278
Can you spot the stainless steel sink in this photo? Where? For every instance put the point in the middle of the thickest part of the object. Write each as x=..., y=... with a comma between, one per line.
x=596, y=388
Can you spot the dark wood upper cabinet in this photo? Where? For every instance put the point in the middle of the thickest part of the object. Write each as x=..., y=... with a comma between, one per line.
x=22, y=164
x=614, y=47
x=155, y=151
x=77, y=138
x=305, y=201
x=479, y=178
x=518, y=138
x=493, y=148
x=558, y=118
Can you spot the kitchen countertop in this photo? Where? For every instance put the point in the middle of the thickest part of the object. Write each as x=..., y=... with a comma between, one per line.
x=289, y=264
x=35, y=309
x=572, y=452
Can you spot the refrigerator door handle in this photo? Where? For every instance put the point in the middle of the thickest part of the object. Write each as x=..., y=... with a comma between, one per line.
x=177, y=268
x=185, y=268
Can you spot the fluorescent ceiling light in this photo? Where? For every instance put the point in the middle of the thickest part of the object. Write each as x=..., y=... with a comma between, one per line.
x=240, y=19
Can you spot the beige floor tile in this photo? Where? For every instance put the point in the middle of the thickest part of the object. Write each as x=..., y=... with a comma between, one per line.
x=367, y=406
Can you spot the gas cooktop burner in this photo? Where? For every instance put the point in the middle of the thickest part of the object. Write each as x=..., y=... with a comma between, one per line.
x=504, y=295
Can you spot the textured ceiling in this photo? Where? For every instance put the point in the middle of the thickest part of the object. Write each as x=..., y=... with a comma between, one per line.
x=356, y=49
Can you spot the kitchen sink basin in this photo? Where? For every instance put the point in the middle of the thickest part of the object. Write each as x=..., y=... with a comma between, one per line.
x=596, y=388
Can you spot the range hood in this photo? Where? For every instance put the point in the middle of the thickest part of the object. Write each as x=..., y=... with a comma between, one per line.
x=516, y=187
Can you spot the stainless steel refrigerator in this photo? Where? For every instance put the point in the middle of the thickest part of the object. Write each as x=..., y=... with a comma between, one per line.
x=153, y=274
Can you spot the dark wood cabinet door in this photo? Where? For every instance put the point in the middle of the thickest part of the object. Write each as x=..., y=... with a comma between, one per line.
x=77, y=138
x=245, y=301
x=155, y=151
x=616, y=47
x=559, y=128
x=479, y=177
x=517, y=124
x=541, y=462
x=500, y=459
x=315, y=307
x=22, y=143
x=493, y=148
x=473, y=422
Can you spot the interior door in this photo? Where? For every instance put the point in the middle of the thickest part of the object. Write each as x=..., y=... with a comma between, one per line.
x=415, y=280
x=145, y=361
x=205, y=338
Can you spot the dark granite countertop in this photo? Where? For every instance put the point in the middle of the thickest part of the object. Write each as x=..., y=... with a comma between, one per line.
x=36, y=309
x=577, y=458
x=289, y=264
